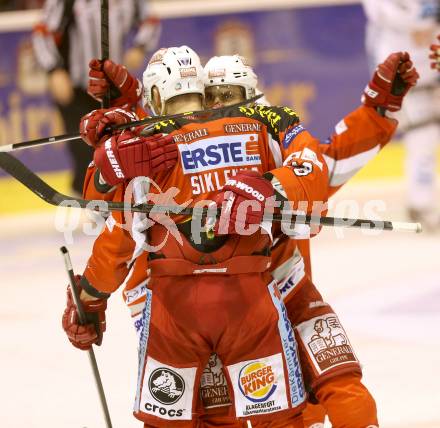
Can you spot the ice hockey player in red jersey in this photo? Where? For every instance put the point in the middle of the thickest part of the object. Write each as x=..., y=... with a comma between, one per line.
x=332, y=319
x=357, y=139
x=435, y=54
x=216, y=295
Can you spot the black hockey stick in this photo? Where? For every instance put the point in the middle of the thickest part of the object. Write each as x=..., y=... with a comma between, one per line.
x=82, y=319
x=25, y=176
x=146, y=121
x=105, y=45
x=397, y=89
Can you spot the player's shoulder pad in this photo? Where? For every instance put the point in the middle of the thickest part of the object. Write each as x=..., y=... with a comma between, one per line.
x=161, y=126
x=276, y=118
x=169, y=125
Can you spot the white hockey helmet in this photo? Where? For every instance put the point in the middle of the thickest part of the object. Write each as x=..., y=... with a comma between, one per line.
x=174, y=71
x=231, y=70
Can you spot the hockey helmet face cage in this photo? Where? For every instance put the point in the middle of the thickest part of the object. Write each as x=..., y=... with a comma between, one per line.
x=230, y=70
x=174, y=71
x=223, y=95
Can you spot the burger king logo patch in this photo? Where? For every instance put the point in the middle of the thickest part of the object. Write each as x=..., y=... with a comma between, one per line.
x=257, y=381
x=259, y=386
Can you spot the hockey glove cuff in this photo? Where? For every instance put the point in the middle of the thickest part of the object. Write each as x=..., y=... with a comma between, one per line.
x=126, y=155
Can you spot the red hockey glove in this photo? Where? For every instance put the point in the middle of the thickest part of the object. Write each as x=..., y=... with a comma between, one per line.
x=390, y=83
x=126, y=155
x=92, y=125
x=245, y=186
x=102, y=77
x=435, y=55
x=84, y=336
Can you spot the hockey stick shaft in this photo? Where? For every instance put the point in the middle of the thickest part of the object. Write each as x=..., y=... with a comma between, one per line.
x=105, y=45
x=34, y=183
x=157, y=119
x=147, y=121
x=82, y=320
x=39, y=142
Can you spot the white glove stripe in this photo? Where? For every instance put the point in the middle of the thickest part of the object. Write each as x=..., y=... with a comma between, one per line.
x=125, y=79
x=72, y=315
x=85, y=123
x=383, y=78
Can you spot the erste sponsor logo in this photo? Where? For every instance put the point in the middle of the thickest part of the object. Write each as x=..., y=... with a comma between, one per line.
x=220, y=152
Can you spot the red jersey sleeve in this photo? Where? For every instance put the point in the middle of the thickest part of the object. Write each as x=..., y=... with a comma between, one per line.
x=303, y=178
x=357, y=140
x=113, y=252
x=96, y=189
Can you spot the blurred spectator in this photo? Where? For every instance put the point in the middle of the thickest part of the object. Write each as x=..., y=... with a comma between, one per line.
x=411, y=25
x=20, y=4
x=69, y=37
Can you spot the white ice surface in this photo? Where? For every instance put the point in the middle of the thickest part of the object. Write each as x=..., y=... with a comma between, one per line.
x=386, y=290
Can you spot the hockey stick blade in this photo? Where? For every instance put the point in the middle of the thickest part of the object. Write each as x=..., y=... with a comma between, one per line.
x=25, y=176
x=35, y=184
x=147, y=121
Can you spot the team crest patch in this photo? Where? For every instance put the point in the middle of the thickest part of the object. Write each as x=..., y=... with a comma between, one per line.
x=167, y=392
x=259, y=386
x=213, y=385
x=326, y=342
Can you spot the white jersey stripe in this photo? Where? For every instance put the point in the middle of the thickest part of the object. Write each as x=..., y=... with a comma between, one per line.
x=341, y=170
x=276, y=151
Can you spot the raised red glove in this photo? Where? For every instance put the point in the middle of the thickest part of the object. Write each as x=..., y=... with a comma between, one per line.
x=391, y=82
x=126, y=155
x=245, y=186
x=92, y=125
x=107, y=76
x=435, y=55
x=84, y=336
